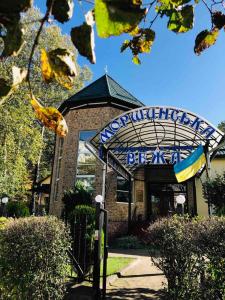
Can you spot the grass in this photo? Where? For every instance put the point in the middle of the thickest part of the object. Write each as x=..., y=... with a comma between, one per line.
x=128, y=242
x=116, y=264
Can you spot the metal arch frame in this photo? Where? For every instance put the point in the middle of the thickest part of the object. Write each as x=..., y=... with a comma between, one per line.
x=160, y=106
x=187, y=135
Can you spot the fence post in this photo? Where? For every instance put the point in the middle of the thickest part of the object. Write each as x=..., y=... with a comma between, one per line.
x=105, y=253
x=129, y=205
x=97, y=253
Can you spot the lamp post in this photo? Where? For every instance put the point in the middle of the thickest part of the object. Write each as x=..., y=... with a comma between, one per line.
x=180, y=200
x=99, y=199
x=4, y=201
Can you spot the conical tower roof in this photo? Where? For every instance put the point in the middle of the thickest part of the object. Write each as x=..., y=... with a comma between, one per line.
x=104, y=89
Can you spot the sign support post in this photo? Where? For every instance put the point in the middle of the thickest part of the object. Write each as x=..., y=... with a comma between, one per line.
x=129, y=204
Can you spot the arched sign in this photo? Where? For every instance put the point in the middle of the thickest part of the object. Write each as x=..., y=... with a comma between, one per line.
x=155, y=135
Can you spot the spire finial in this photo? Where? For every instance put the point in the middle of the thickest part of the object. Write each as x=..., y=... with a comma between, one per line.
x=106, y=69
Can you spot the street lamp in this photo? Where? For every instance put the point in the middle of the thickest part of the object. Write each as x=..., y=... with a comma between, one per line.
x=4, y=201
x=180, y=200
x=99, y=199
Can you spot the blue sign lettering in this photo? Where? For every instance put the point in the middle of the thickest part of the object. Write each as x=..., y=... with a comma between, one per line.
x=208, y=131
x=184, y=119
x=175, y=157
x=196, y=124
x=115, y=125
x=137, y=116
x=124, y=119
x=106, y=135
x=150, y=114
x=164, y=113
x=130, y=158
x=142, y=158
x=158, y=157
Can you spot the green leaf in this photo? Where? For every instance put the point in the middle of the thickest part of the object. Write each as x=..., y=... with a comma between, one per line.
x=62, y=10
x=182, y=20
x=12, y=35
x=167, y=7
x=141, y=43
x=15, y=6
x=136, y=60
x=83, y=38
x=205, y=39
x=117, y=17
x=177, y=3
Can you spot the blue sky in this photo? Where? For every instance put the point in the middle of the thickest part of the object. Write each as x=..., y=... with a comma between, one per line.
x=171, y=74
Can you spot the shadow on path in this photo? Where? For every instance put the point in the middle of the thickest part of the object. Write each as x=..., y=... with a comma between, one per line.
x=137, y=294
x=80, y=293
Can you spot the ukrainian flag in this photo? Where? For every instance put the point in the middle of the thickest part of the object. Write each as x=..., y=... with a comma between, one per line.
x=188, y=167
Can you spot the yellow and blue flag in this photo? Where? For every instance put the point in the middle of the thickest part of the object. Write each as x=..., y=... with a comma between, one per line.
x=188, y=167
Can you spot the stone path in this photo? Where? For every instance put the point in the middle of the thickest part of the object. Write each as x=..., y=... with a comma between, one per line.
x=141, y=280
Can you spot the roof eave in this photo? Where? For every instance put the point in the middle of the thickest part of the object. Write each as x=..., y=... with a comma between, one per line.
x=96, y=102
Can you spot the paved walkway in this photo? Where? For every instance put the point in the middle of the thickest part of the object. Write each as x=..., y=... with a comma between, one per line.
x=141, y=280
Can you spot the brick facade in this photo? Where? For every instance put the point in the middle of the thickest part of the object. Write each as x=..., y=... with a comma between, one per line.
x=93, y=118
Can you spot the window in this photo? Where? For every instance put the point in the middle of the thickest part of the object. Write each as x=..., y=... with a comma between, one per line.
x=122, y=190
x=86, y=161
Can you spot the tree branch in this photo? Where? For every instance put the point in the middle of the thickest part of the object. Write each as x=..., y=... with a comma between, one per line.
x=48, y=12
x=153, y=21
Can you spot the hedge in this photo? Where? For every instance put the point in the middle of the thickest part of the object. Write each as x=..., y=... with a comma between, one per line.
x=33, y=259
x=17, y=209
x=191, y=255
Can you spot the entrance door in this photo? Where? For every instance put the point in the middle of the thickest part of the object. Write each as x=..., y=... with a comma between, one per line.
x=162, y=199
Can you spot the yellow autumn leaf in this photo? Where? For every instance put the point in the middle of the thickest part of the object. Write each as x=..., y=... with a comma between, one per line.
x=45, y=66
x=59, y=65
x=50, y=118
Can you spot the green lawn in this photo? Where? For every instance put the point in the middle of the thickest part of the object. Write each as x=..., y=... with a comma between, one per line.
x=116, y=264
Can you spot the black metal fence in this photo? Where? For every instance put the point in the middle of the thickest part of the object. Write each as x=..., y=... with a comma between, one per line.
x=82, y=231
x=90, y=248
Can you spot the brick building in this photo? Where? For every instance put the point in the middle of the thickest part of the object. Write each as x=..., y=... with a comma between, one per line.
x=154, y=186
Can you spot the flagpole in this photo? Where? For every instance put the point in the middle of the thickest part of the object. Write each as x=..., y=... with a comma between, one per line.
x=208, y=172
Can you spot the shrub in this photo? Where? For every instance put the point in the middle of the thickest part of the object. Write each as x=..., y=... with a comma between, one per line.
x=33, y=258
x=172, y=238
x=3, y=222
x=17, y=209
x=82, y=222
x=192, y=256
x=210, y=244
x=79, y=195
x=214, y=192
